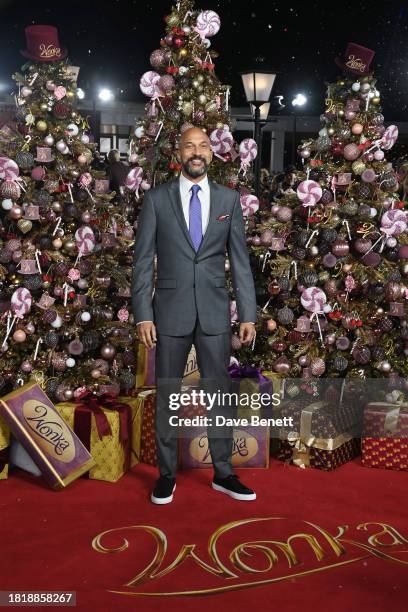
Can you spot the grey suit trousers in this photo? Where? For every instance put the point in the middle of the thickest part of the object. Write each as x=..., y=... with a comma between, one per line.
x=213, y=357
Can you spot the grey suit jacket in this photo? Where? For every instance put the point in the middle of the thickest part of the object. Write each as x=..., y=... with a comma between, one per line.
x=190, y=283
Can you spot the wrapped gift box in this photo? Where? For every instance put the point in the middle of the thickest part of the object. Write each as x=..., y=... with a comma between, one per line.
x=385, y=436
x=145, y=369
x=317, y=438
x=51, y=443
x=110, y=428
x=318, y=458
x=247, y=381
x=4, y=449
x=148, y=446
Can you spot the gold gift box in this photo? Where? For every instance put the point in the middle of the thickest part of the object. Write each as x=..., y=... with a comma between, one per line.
x=4, y=444
x=108, y=451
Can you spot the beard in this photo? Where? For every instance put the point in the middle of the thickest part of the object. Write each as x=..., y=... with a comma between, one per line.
x=192, y=171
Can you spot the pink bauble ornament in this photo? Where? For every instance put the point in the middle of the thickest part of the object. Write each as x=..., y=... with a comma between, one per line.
x=284, y=214
x=82, y=159
x=351, y=151
x=133, y=158
x=379, y=155
x=357, y=128
x=37, y=173
x=166, y=83
x=19, y=336
x=108, y=351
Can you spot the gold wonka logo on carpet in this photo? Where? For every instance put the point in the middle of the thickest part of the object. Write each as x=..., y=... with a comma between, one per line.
x=269, y=560
x=51, y=435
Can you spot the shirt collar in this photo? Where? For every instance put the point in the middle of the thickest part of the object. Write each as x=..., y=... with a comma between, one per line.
x=186, y=184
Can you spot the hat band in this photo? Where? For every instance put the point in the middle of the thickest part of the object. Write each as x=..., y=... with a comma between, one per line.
x=49, y=50
x=355, y=63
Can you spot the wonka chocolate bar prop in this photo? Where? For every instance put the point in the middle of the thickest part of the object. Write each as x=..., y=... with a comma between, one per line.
x=47, y=438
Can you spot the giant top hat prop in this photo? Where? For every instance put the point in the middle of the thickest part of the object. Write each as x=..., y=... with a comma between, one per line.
x=357, y=59
x=43, y=44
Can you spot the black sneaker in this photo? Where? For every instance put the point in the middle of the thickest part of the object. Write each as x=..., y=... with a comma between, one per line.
x=233, y=487
x=163, y=491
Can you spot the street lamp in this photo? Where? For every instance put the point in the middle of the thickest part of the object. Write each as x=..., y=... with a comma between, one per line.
x=263, y=111
x=298, y=101
x=258, y=86
x=105, y=94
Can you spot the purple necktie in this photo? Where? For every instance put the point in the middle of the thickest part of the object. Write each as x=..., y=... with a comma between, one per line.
x=195, y=227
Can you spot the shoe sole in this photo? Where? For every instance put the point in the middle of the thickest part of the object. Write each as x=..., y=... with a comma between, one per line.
x=238, y=496
x=160, y=501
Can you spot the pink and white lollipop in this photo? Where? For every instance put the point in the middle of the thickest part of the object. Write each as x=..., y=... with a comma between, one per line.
x=249, y=203
x=85, y=240
x=313, y=299
x=394, y=222
x=208, y=23
x=221, y=141
x=149, y=84
x=389, y=137
x=21, y=302
x=9, y=170
x=248, y=149
x=309, y=193
x=134, y=179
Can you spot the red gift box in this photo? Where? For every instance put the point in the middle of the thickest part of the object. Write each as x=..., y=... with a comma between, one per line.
x=148, y=446
x=385, y=436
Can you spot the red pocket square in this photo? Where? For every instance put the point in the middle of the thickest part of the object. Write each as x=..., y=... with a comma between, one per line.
x=222, y=217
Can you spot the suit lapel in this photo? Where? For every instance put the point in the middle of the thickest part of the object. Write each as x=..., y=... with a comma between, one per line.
x=175, y=199
x=213, y=211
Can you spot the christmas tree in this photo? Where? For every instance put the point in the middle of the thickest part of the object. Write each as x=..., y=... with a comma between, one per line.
x=333, y=251
x=184, y=92
x=65, y=242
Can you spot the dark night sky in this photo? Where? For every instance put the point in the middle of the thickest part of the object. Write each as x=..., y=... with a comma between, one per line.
x=112, y=41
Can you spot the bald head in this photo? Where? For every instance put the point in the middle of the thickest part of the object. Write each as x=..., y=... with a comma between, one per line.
x=194, y=153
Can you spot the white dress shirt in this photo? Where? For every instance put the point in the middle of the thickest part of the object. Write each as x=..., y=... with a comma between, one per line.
x=203, y=195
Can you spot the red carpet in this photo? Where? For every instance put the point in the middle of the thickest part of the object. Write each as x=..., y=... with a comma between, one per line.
x=46, y=541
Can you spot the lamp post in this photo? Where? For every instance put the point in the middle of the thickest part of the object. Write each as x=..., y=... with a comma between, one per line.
x=258, y=86
x=298, y=101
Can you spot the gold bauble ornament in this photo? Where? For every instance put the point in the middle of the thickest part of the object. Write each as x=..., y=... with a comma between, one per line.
x=195, y=84
x=219, y=125
x=330, y=131
x=202, y=98
x=200, y=78
x=172, y=20
x=358, y=166
x=74, y=114
x=375, y=100
x=182, y=53
x=41, y=125
x=24, y=225
x=187, y=108
x=43, y=107
x=69, y=245
x=211, y=107
x=70, y=95
x=310, y=264
x=341, y=83
x=341, y=113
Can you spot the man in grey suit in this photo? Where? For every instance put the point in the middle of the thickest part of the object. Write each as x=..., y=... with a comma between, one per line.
x=189, y=224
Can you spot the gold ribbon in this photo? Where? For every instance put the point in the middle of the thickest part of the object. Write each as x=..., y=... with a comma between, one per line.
x=303, y=441
x=394, y=412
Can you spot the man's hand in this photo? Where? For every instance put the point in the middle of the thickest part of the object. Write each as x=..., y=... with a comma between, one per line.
x=246, y=333
x=147, y=334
